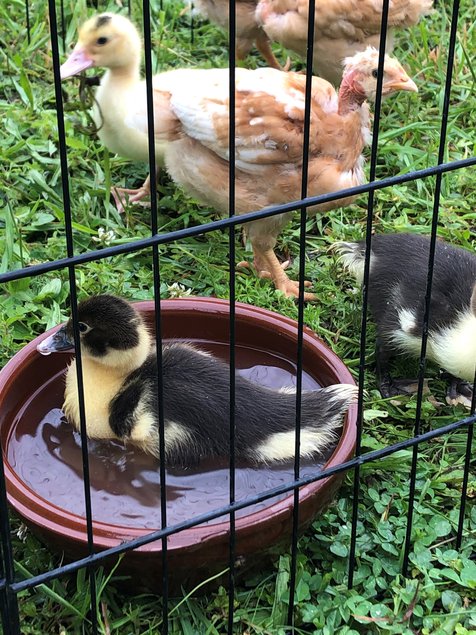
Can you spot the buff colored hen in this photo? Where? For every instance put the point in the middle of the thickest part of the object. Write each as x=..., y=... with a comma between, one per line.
x=341, y=28
x=269, y=121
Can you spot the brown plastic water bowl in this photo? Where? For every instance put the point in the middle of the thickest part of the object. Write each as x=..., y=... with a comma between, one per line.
x=43, y=466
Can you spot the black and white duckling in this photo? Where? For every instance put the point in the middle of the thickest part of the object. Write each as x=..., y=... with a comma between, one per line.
x=120, y=390
x=397, y=286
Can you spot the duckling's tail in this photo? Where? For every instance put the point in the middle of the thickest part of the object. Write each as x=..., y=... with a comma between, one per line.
x=322, y=416
x=352, y=255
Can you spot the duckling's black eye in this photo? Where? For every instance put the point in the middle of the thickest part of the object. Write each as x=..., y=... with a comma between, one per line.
x=101, y=41
x=83, y=328
x=375, y=73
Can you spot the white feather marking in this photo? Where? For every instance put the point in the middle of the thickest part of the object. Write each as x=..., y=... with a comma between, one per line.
x=146, y=435
x=280, y=446
x=288, y=390
x=407, y=320
x=250, y=168
x=353, y=177
x=341, y=392
x=329, y=104
x=144, y=427
x=245, y=141
x=454, y=348
x=270, y=144
x=351, y=257
x=175, y=435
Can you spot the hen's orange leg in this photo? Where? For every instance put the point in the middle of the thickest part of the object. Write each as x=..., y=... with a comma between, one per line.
x=264, y=47
x=123, y=196
x=268, y=266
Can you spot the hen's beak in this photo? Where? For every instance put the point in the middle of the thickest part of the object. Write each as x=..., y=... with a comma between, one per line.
x=58, y=342
x=78, y=61
x=402, y=83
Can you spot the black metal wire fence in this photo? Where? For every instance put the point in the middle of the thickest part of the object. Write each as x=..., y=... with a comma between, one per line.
x=10, y=587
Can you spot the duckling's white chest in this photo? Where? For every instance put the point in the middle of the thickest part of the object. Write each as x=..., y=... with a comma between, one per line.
x=100, y=385
x=453, y=348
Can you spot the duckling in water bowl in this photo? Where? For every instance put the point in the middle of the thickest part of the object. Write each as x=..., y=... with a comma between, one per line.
x=125, y=480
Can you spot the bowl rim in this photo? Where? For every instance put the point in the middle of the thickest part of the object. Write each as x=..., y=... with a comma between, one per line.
x=32, y=507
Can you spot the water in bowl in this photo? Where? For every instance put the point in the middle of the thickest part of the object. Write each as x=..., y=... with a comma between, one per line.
x=45, y=452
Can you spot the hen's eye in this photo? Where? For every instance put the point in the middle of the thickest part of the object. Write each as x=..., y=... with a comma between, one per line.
x=83, y=328
x=375, y=73
x=101, y=41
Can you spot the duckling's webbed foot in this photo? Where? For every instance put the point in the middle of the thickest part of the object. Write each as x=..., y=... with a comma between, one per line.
x=458, y=391
x=390, y=387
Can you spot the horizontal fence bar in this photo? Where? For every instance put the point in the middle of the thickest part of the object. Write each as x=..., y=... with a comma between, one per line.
x=162, y=239
x=374, y=455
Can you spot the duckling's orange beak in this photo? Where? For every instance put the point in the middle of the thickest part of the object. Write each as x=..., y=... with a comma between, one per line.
x=78, y=61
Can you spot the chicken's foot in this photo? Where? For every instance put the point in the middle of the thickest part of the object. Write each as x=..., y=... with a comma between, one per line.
x=268, y=266
x=123, y=196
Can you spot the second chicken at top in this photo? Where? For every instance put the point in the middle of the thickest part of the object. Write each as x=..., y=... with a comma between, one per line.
x=341, y=27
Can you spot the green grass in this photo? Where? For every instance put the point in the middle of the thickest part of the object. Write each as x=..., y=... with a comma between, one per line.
x=439, y=595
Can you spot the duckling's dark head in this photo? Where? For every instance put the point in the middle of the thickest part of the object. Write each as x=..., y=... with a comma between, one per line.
x=110, y=330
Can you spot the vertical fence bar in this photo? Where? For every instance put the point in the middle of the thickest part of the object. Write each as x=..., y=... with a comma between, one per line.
x=158, y=317
x=365, y=290
x=434, y=227
x=27, y=16
x=5, y=612
x=232, y=332
x=63, y=26
x=300, y=329
x=9, y=604
x=467, y=464
x=73, y=299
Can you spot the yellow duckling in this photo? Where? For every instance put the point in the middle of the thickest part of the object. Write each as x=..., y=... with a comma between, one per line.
x=113, y=42
x=121, y=402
